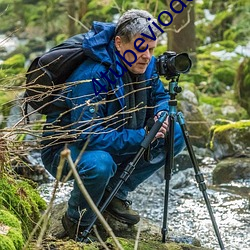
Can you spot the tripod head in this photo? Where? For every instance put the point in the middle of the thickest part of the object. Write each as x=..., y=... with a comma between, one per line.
x=174, y=89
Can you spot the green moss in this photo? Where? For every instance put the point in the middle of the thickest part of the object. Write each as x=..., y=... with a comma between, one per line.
x=14, y=234
x=236, y=125
x=224, y=75
x=214, y=101
x=16, y=237
x=22, y=200
x=128, y=244
x=16, y=61
x=9, y=219
x=6, y=243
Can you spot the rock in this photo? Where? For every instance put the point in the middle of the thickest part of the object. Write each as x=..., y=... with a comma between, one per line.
x=231, y=169
x=229, y=140
x=149, y=238
x=181, y=179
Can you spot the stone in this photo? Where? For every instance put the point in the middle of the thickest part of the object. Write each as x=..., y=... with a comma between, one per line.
x=231, y=169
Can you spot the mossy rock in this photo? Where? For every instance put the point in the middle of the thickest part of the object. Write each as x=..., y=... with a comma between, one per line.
x=22, y=200
x=10, y=231
x=232, y=139
x=231, y=169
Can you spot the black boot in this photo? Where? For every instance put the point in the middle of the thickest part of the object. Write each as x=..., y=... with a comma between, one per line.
x=121, y=211
x=74, y=230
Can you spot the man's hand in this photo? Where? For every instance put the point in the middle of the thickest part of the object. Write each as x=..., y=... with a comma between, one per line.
x=164, y=128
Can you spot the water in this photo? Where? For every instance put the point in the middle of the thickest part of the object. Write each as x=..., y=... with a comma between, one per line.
x=188, y=215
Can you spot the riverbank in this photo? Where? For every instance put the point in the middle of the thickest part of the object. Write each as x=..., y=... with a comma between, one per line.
x=188, y=215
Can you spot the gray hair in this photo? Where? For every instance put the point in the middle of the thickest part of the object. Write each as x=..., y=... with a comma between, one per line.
x=135, y=22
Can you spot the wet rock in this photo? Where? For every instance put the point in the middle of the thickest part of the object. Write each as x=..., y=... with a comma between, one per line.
x=150, y=234
x=231, y=169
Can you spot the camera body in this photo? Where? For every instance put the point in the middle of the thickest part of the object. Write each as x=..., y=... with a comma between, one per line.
x=171, y=65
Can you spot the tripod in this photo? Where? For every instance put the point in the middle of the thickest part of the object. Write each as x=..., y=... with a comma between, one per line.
x=169, y=163
x=173, y=90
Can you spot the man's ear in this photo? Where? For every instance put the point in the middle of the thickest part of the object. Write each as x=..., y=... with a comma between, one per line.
x=118, y=42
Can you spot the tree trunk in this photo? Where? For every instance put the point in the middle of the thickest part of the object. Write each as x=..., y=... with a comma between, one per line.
x=181, y=34
x=72, y=13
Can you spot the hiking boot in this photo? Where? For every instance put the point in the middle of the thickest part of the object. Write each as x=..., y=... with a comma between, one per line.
x=75, y=231
x=121, y=211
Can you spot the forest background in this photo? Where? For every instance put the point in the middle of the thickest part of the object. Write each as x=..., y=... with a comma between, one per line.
x=214, y=33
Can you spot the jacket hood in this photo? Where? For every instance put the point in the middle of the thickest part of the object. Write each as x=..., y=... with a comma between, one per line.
x=98, y=43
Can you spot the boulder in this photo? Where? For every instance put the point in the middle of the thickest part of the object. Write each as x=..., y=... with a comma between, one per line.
x=231, y=169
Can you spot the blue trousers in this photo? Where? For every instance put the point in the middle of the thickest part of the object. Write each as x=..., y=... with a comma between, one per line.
x=100, y=170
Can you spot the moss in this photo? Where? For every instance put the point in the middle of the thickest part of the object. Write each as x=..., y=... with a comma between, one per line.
x=214, y=101
x=6, y=243
x=9, y=219
x=236, y=125
x=17, y=61
x=13, y=238
x=128, y=244
x=16, y=237
x=224, y=75
x=22, y=200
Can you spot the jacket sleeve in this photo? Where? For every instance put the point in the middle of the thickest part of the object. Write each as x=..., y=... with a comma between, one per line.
x=88, y=117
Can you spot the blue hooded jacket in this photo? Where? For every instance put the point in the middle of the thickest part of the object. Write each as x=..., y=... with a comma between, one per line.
x=100, y=119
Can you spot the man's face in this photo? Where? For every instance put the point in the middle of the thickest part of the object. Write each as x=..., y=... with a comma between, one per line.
x=143, y=58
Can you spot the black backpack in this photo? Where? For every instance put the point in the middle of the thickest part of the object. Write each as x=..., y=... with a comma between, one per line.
x=48, y=73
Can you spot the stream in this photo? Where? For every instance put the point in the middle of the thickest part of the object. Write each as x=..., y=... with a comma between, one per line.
x=187, y=212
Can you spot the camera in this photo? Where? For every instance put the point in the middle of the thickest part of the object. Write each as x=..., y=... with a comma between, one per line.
x=171, y=65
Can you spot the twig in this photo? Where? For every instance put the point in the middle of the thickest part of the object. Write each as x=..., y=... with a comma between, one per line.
x=66, y=154
x=137, y=236
x=77, y=21
x=99, y=238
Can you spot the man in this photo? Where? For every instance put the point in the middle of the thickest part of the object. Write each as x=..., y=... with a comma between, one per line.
x=112, y=123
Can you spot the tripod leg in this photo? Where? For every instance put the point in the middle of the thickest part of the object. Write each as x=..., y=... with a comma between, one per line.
x=168, y=173
x=129, y=169
x=199, y=177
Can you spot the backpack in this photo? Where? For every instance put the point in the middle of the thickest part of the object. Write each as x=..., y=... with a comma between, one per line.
x=48, y=73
